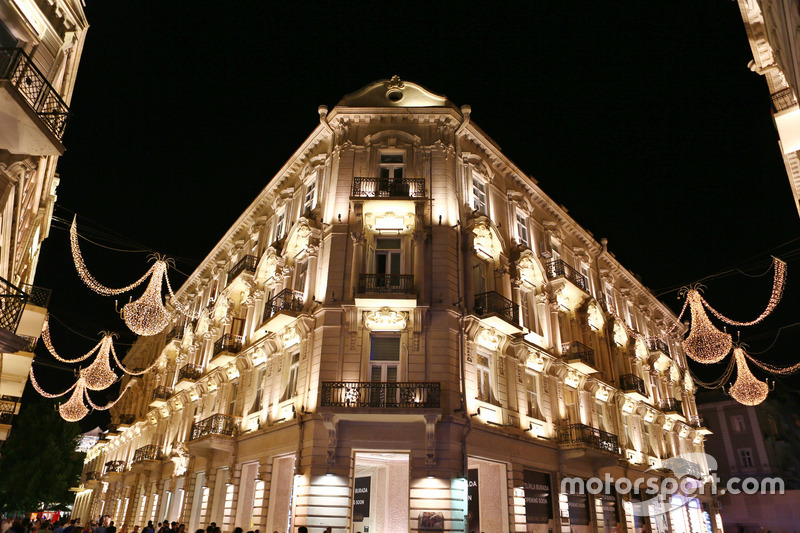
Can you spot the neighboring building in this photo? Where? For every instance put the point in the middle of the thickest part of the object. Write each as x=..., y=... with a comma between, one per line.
x=401, y=333
x=756, y=442
x=772, y=31
x=40, y=47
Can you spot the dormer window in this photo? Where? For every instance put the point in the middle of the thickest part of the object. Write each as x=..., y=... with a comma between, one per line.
x=479, y=196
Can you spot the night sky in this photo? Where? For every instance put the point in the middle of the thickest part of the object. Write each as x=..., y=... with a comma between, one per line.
x=643, y=120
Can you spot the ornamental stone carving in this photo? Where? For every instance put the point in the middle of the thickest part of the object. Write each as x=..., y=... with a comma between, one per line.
x=385, y=320
x=488, y=339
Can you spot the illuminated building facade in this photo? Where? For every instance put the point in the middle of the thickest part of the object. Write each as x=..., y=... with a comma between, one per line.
x=40, y=48
x=771, y=32
x=401, y=333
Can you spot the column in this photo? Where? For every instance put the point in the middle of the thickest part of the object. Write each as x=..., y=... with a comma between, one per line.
x=358, y=238
x=418, y=239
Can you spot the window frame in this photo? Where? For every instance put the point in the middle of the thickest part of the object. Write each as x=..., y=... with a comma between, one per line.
x=521, y=220
x=310, y=188
x=746, y=456
x=384, y=364
x=480, y=184
x=392, y=167
x=280, y=225
x=738, y=424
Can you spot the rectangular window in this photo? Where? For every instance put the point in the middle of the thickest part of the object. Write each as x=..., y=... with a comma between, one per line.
x=484, y=379
x=302, y=274
x=585, y=273
x=259, y=390
x=745, y=457
x=387, y=256
x=609, y=297
x=737, y=424
x=478, y=276
x=384, y=358
x=232, y=404
x=479, y=196
x=291, y=384
x=522, y=230
x=630, y=316
x=532, y=395
x=280, y=223
x=310, y=200
x=392, y=166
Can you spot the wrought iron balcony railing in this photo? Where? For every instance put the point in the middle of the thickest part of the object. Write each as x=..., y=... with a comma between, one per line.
x=162, y=393
x=151, y=452
x=697, y=421
x=783, y=100
x=92, y=475
x=386, y=283
x=671, y=405
x=31, y=343
x=17, y=67
x=190, y=372
x=557, y=268
x=227, y=343
x=215, y=425
x=12, y=302
x=247, y=263
x=573, y=434
x=683, y=467
x=577, y=350
x=115, y=466
x=654, y=344
x=286, y=300
x=38, y=296
x=487, y=303
x=406, y=395
x=388, y=188
x=632, y=383
x=175, y=333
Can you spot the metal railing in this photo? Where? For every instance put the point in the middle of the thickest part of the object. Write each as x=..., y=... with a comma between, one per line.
x=151, y=452
x=632, y=383
x=92, y=475
x=175, y=333
x=388, y=188
x=386, y=283
x=37, y=295
x=697, y=421
x=557, y=268
x=577, y=350
x=127, y=419
x=654, y=344
x=162, y=393
x=31, y=343
x=671, y=405
x=286, y=300
x=784, y=99
x=12, y=302
x=18, y=68
x=190, y=372
x=683, y=467
x=405, y=395
x=494, y=303
x=572, y=434
x=215, y=425
x=247, y=263
x=115, y=466
x=227, y=343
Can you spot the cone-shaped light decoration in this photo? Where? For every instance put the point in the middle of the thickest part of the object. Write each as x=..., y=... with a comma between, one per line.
x=74, y=409
x=98, y=375
x=705, y=343
x=747, y=390
x=147, y=316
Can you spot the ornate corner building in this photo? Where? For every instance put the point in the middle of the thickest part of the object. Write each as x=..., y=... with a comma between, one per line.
x=40, y=48
x=772, y=32
x=403, y=333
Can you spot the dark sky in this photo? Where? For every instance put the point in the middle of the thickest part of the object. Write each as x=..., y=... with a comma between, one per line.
x=642, y=118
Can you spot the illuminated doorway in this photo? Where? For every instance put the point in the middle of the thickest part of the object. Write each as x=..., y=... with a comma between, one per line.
x=380, y=493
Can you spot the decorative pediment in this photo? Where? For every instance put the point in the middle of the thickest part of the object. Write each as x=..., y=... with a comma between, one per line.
x=269, y=267
x=385, y=320
x=290, y=337
x=389, y=221
x=489, y=339
x=487, y=241
x=299, y=238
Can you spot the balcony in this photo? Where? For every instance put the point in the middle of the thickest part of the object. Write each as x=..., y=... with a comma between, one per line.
x=175, y=333
x=657, y=346
x=225, y=350
x=115, y=467
x=579, y=356
x=673, y=409
x=699, y=424
x=388, y=188
x=498, y=311
x=92, y=475
x=147, y=458
x=126, y=421
x=35, y=310
x=634, y=387
x=386, y=290
x=557, y=268
x=380, y=395
x=34, y=115
x=246, y=264
x=12, y=304
x=579, y=435
x=683, y=467
x=216, y=432
x=281, y=310
x=187, y=376
x=160, y=396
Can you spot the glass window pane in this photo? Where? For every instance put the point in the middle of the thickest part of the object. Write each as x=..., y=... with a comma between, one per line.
x=385, y=349
x=391, y=158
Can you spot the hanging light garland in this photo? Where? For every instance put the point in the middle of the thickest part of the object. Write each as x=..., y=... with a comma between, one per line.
x=99, y=376
x=747, y=390
x=110, y=404
x=42, y=392
x=705, y=343
x=726, y=375
x=74, y=409
x=781, y=371
x=159, y=360
x=49, y=344
x=778, y=284
x=147, y=316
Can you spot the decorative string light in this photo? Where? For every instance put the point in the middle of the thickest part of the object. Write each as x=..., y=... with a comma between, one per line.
x=74, y=409
x=147, y=316
x=747, y=390
x=705, y=343
x=99, y=376
x=110, y=404
x=41, y=391
x=49, y=344
x=156, y=363
x=718, y=382
x=782, y=371
x=778, y=284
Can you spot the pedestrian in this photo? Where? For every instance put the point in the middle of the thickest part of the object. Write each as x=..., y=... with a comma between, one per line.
x=111, y=527
x=238, y=530
x=302, y=529
x=149, y=528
